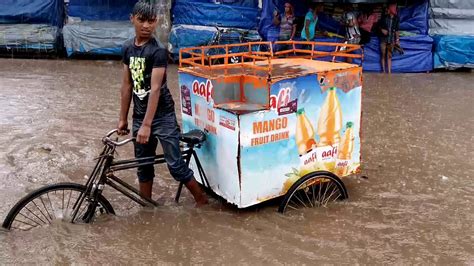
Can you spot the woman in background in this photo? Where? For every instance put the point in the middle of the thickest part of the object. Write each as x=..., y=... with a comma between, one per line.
x=287, y=25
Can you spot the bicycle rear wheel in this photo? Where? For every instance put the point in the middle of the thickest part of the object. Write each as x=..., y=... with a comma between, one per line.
x=52, y=203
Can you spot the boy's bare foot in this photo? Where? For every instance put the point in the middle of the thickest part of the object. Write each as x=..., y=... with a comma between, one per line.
x=198, y=194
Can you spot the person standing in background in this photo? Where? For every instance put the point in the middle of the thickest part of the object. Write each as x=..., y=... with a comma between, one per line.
x=351, y=24
x=287, y=25
x=366, y=22
x=389, y=31
x=310, y=22
x=274, y=29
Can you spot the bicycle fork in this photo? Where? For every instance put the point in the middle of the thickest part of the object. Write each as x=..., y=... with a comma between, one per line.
x=93, y=189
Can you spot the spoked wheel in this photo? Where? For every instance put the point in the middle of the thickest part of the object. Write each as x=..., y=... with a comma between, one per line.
x=317, y=189
x=52, y=203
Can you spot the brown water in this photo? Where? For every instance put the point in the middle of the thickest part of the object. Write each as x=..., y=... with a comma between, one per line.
x=415, y=206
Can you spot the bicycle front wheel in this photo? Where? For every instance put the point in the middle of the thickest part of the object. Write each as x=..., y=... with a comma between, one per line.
x=52, y=203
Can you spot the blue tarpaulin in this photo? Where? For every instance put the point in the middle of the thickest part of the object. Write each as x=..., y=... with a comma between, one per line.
x=418, y=55
x=97, y=37
x=453, y=51
x=41, y=37
x=208, y=14
x=101, y=9
x=414, y=18
x=182, y=36
x=32, y=12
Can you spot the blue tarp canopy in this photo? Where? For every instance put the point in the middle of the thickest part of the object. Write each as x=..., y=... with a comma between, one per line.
x=453, y=51
x=32, y=12
x=209, y=14
x=101, y=9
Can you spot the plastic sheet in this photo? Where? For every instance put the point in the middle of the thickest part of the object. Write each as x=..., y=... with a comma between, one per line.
x=182, y=36
x=454, y=17
x=101, y=9
x=28, y=36
x=97, y=37
x=32, y=12
x=414, y=18
x=453, y=51
x=205, y=14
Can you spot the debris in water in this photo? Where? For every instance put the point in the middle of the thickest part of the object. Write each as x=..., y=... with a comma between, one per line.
x=444, y=178
x=46, y=148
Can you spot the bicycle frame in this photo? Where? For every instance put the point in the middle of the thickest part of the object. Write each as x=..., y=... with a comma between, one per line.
x=103, y=174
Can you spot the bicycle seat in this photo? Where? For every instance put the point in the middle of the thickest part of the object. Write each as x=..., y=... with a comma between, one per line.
x=194, y=137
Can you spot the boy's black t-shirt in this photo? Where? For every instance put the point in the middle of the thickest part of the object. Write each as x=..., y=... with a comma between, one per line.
x=141, y=60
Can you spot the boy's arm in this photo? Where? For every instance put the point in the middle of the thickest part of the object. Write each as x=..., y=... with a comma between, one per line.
x=144, y=132
x=125, y=99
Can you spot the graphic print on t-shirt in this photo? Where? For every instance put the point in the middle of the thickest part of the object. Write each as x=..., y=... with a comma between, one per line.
x=137, y=69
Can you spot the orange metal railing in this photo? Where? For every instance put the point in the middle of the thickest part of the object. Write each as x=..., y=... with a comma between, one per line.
x=250, y=55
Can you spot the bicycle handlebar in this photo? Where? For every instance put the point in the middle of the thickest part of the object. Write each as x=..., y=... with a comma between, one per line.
x=107, y=140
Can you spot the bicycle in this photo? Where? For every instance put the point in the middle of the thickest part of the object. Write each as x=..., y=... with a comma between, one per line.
x=78, y=203
x=316, y=189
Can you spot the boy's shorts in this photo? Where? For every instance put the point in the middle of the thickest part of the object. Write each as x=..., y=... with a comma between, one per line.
x=165, y=129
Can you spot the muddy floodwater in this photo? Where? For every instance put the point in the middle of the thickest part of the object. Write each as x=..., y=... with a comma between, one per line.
x=415, y=206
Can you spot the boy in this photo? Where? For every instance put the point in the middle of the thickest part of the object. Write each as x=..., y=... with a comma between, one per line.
x=144, y=77
x=389, y=27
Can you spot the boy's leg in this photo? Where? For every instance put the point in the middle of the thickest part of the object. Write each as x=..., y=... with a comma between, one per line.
x=146, y=188
x=168, y=133
x=389, y=57
x=145, y=173
x=383, y=50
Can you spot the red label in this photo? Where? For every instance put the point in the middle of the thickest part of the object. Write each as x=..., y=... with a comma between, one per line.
x=203, y=90
x=280, y=100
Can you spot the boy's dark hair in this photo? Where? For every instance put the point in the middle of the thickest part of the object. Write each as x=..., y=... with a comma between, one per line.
x=144, y=10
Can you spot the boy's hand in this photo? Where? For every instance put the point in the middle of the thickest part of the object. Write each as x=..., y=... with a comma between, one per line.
x=122, y=128
x=385, y=32
x=143, y=134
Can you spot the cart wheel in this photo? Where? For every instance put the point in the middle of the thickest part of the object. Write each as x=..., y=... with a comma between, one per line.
x=315, y=189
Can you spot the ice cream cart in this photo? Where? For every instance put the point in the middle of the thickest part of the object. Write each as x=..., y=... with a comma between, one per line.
x=279, y=124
